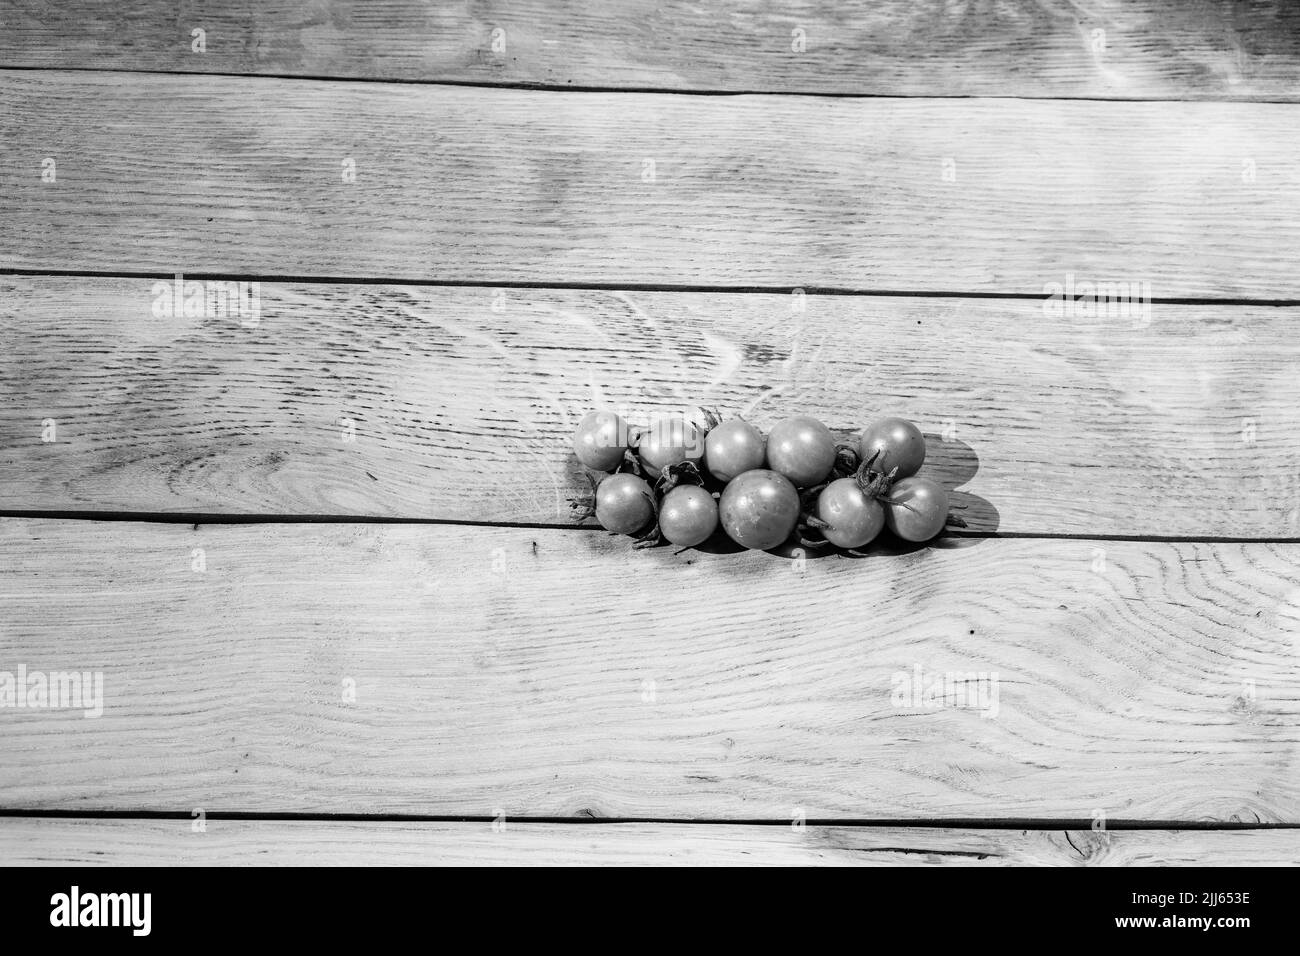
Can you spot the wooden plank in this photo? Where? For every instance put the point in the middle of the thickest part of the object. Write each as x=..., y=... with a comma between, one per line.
x=247, y=177
x=463, y=400
x=1145, y=48
x=522, y=671
x=112, y=842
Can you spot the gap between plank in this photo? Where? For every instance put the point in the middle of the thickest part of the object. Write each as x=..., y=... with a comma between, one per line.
x=650, y=90
x=616, y=286
x=979, y=823
x=200, y=518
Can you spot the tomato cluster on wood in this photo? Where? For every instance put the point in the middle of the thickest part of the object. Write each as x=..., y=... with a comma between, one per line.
x=679, y=481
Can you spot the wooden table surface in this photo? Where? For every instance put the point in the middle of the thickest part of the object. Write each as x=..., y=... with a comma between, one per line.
x=323, y=559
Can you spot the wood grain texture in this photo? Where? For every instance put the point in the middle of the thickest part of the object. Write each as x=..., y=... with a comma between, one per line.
x=464, y=399
x=1148, y=48
x=552, y=673
x=245, y=176
x=90, y=842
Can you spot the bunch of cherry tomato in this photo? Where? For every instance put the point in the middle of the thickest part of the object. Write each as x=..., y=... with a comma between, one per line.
x=678, y=481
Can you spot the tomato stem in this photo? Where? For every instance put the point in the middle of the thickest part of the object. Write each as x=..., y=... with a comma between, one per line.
x=686, y=472
x=846, y=460
x=630, y=465
x=900, y=502
x=653, y=536
x=585, y=504
x=873, y=483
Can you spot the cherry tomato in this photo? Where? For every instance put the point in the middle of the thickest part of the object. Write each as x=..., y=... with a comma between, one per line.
x=759, y=509
x=732, y=448
x=802, y=449
x=687, y=515
x=624, y=504
x=900, y=443
x=600, y=441
x=670, y=441
x=919, y=511
x=854, y=519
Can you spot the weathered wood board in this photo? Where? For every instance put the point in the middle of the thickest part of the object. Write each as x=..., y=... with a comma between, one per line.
x=269, y=177
x=1104, y=48
x=112, y=842
x=459, y=403
x=560, y=673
